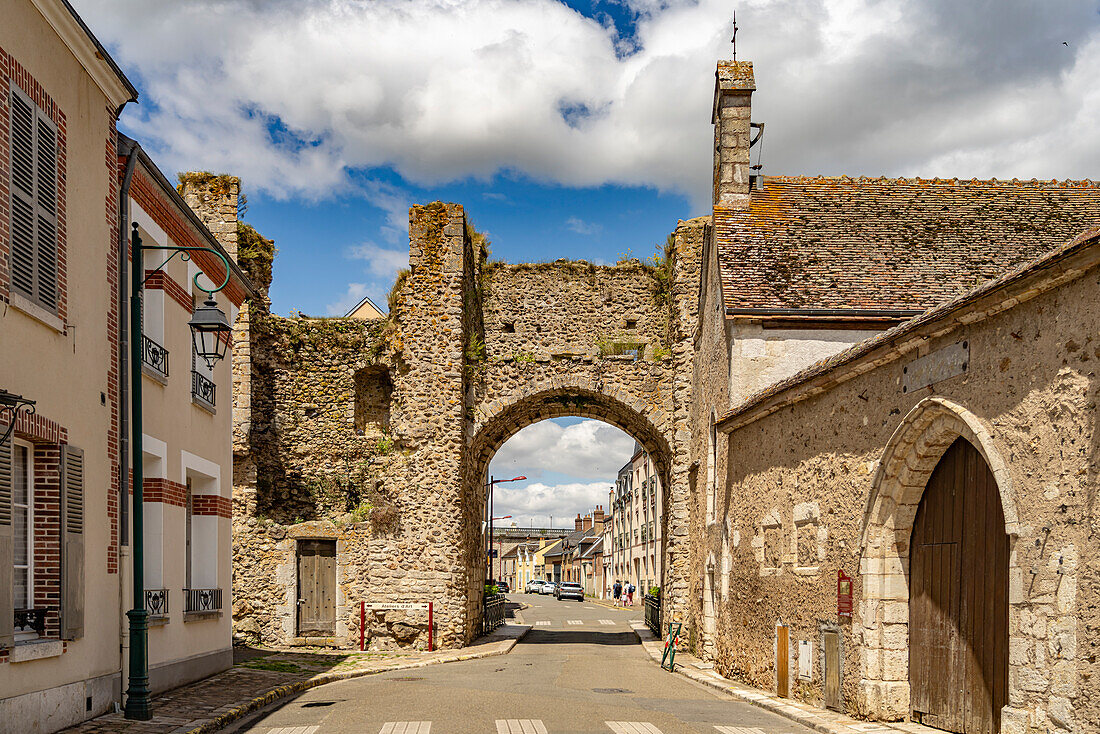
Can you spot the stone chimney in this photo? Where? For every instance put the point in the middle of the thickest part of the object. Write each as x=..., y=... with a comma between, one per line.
x=597, y=518
x=733, y=88
x=578, y=524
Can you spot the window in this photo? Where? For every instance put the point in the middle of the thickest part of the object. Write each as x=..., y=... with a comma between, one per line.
x=188, y=511
x=34, y=196
x=23, y=526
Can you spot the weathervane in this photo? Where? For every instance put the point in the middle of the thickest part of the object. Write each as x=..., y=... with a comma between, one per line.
x=733, y=39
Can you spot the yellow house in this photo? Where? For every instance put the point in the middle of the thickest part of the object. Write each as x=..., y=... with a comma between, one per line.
x=365, y=309
x=538, y=559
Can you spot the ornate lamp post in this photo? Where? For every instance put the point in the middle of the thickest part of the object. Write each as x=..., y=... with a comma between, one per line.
x=210, y=332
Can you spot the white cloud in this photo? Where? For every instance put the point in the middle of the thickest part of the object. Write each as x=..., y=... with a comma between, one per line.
x=382, y=266
x=582, y=227
x=535, y=504
x=588, y=450
x=445, y=90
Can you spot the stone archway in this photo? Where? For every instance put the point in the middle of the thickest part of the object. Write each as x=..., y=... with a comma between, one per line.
x=907, y=462
x=505, y=415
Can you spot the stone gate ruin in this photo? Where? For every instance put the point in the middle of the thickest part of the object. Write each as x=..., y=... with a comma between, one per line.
x=371, y=440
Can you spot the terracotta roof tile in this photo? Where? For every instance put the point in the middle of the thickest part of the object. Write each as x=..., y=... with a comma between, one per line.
x=821, y=243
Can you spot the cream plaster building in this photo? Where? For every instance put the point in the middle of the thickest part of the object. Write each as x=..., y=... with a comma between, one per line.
x=636, y=525
x=64, y=507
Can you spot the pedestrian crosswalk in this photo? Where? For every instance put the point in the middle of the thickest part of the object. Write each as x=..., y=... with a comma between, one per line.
x=520, y=726
x=296, y=729
x=632, y=727
x=574, y=621
x=542, y=623
x=406, y=727
x=607, y=621
x=739, y=730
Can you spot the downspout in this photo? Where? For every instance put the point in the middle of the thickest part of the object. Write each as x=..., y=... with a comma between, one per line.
x=124, y=407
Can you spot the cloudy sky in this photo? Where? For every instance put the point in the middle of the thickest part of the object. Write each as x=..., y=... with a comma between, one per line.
x=570, y=464
x=578, y=128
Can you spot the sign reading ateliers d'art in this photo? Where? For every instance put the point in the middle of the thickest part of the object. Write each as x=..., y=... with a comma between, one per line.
x=843, y=595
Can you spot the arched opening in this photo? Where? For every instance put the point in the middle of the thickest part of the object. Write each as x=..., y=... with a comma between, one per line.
x=958, y=598
x=905, y=470
x=634, y=491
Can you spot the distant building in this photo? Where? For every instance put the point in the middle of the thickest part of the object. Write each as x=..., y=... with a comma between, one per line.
x=635, y=528
x=365, y=309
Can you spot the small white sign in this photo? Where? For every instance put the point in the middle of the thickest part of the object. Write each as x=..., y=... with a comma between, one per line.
x=396, y=606
x=805, y=660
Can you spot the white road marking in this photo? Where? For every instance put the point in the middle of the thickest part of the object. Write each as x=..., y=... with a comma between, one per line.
x=520, y=726
x=542, y=623
x=632, y=727
x=296, y=729
x=590, y=607
x=406, y=727
x=607, y=621
x=739, y=730
x=574, y=621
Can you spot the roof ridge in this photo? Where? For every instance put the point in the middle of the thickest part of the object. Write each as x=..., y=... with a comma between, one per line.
x=901, y=180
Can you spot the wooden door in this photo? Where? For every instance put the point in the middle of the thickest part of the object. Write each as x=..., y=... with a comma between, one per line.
x=782, y=661
x=832, y=670
x=958, y=600
x=316, y=588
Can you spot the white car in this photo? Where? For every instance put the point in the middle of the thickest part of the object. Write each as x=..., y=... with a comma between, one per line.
x=534, y=586
x=548, y=588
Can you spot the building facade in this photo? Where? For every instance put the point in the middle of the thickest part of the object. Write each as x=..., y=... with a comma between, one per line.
x=862, y=362
x=636, y=524
x=65, y=541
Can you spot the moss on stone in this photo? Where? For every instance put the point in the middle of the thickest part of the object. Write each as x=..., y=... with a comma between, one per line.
x=256, y=254
x=219, y=184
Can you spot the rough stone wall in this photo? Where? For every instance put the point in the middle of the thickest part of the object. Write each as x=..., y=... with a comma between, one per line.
x=378, y=434
x=799, y=495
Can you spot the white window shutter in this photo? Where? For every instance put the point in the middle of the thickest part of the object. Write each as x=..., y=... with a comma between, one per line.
x=7, y=618
x=72, y=529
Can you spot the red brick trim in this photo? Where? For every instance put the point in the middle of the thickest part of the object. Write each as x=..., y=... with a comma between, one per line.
x=113, y=448
x=38, y=428
x=163, y=490
x=150, y=198
x=47, y=534
x=211, y=504
x=12, y=72
x=162, y=281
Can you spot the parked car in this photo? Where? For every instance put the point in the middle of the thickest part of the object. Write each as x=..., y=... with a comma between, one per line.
x=569, y=590
x=534, y=586
x=548, y=587
x=502, y=587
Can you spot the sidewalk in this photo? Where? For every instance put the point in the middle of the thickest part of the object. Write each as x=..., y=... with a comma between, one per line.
x=823, y=720
x=262, y=676
x=605, y=603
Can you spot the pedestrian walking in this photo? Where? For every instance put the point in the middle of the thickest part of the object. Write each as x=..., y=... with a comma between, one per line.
x=629, y=593
x=617, y=590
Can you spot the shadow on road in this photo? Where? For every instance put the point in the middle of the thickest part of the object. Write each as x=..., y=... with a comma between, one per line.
x=551, y=637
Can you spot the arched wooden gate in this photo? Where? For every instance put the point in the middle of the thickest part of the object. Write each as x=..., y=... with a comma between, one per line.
x=958, y=598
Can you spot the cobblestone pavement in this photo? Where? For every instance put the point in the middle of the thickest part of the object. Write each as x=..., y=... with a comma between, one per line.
x=260, y=676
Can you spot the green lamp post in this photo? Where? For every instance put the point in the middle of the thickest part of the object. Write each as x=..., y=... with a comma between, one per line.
x=210, y=331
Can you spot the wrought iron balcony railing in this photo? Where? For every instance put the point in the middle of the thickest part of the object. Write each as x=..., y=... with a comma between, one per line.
x=203, y=388
x=30, y=620
x=156, y=602
x=154, y=355
x=202, y=600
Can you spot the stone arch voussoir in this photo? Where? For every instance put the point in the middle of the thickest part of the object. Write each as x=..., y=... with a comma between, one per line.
x=907, y=462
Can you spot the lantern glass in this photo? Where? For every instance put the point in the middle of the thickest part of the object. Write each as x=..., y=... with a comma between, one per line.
x=210, y=331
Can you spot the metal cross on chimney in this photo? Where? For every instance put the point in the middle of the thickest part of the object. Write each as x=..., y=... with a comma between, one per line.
x=733, y=39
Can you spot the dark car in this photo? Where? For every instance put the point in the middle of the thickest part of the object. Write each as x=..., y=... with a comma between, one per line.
x=569, y=590
x=502, y=587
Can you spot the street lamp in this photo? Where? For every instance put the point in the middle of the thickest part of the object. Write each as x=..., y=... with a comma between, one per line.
x=11, y=404
x=489, y=514
x=210, y=332
x=500, y=546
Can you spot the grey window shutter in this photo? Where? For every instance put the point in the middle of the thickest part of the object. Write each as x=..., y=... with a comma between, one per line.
x=72, y=555
x=34, y=197
x=22, y=195
x=7, y=618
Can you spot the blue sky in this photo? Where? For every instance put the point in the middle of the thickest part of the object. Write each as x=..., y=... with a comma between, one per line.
x=578, y=129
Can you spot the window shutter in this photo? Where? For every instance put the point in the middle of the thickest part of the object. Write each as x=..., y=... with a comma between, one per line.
x=72, y=528
x=7, y=619
x=22, y=194
x=34, y=195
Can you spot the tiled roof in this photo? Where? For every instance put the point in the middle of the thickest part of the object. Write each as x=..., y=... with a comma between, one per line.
x=816, y=243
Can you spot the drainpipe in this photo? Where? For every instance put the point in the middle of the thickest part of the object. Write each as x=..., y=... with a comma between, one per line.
x=124, y=411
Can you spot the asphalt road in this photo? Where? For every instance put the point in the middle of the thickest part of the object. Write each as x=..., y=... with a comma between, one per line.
x=579, y=669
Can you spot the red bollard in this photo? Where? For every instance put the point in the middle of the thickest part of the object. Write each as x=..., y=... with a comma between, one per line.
x=431, y=630
x=362, y=623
